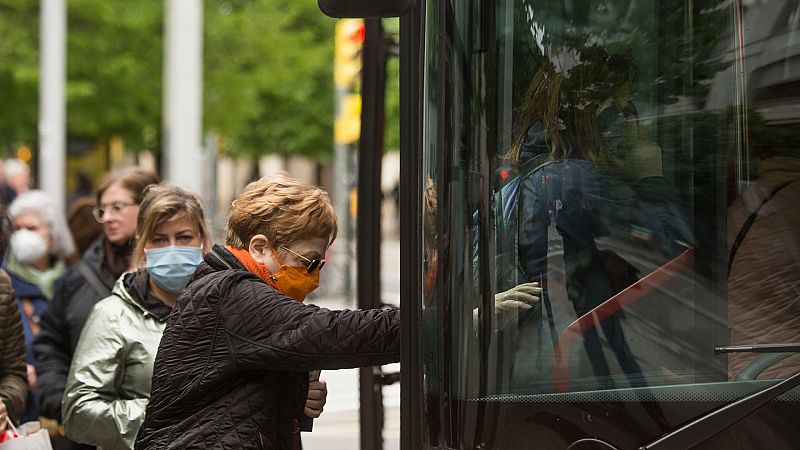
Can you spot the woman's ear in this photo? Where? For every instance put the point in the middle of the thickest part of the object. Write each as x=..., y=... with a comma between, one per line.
x=259, y=248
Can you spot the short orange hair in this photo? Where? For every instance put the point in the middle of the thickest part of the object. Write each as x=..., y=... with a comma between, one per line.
x=283, y=209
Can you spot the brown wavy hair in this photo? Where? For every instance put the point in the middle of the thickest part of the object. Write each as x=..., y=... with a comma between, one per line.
x=134, y=180
x=284, y=210
x=566, y=103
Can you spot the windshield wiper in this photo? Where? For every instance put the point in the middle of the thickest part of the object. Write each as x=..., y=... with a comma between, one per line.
x=714, y=422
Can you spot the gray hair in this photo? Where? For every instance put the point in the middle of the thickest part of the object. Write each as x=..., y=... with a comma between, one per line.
x=13, y=167
x=39, y=202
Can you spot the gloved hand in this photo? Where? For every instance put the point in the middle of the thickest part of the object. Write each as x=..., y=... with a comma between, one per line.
x=509, y=304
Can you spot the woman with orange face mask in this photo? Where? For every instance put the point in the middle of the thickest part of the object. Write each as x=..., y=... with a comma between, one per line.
x=233, y=367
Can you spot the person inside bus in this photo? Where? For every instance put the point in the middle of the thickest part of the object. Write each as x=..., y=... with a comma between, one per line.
x=764, y=256
x=509, y=305
x=600, y=178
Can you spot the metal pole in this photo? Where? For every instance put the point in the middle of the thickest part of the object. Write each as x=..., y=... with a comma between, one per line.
x=412, y=64
x=368, y=227
x=183, y=94
x=52, y=101
x=340, y=278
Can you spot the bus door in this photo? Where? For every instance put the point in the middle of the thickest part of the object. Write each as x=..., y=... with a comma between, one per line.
x=608, y=245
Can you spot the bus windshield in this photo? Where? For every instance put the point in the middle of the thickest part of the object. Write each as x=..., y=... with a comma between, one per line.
x=609, y=207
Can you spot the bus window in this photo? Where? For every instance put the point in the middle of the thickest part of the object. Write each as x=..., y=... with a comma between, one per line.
x=636, y=162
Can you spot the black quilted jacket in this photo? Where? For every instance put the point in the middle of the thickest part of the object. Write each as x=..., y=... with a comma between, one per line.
x=231, y=370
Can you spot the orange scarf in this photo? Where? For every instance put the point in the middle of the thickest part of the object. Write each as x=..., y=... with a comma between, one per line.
x=252, y=265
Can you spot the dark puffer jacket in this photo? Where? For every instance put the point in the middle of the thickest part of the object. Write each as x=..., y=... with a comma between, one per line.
x=61, y=327
x=231, y=370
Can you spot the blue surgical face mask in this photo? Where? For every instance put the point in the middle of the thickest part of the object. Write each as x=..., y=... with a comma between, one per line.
x=172, y=267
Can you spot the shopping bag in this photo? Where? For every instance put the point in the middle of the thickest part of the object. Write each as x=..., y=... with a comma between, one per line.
x=28, y=436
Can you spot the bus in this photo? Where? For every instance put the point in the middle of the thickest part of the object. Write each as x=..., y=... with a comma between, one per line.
x=599, y=222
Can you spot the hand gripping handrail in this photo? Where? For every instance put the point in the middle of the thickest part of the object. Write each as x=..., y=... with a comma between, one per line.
x=608, y=308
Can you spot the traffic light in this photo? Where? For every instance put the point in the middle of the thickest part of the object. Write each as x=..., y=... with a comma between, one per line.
x=347, y=126
x=347, y=58
x=347, y=66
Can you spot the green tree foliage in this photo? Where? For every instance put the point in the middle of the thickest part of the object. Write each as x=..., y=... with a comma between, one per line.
x=267, y=74
x=114, y=60
x=392, y=133
x=269, y=85
x=19, y=71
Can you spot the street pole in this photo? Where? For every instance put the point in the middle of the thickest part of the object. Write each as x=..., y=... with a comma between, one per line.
x=368, y=226
x=183, y=94
x=52, y=101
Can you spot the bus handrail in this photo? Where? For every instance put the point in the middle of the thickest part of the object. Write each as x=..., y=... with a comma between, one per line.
x=608, y=308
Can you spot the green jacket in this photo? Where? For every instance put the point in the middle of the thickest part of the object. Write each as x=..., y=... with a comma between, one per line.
x=108, y=386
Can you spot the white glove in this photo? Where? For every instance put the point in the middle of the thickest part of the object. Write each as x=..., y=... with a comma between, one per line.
x=509, y=304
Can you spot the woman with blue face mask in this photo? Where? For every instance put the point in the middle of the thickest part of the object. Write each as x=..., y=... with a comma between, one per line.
x=108, y=386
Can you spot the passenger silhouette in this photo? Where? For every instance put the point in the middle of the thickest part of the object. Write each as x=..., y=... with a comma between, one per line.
x=586, y=169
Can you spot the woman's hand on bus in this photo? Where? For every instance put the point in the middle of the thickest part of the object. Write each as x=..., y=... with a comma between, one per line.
x=509, y=304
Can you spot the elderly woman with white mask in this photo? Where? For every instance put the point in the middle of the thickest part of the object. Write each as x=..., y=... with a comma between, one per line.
x=39, y=245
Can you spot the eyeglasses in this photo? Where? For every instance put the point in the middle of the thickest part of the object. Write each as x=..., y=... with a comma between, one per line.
x=114, y=208
x=312, y=263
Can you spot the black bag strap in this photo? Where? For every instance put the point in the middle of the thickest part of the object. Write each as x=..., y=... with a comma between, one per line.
x=751, y=220
x=101, y=288
x=529, y=167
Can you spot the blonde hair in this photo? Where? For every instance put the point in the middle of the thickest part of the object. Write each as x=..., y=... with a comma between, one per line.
x=283, y=209
x=566, y=102
x=162, y=203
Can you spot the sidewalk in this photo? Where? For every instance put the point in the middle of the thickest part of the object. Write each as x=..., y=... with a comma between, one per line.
x=338, y=426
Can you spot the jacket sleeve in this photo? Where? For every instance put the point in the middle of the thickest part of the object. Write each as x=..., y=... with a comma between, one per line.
x=13, y=371
x=267, y=330
x=52, y=351
x=92, y=409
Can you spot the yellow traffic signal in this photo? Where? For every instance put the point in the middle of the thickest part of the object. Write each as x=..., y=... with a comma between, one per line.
x=347, y=127
x=347, y=56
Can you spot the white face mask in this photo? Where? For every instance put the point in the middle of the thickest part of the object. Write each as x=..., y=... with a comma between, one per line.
x=27, y=247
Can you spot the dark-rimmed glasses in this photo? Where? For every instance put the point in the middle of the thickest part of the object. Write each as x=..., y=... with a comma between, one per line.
x=114, y=208
x=312, y=263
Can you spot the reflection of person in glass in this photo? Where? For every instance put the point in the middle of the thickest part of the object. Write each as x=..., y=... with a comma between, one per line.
x=508, y=306
x=593, y=176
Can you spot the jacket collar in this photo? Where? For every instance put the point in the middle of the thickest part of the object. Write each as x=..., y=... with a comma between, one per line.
x=95, y=259
x=219, y=258
x=133, y=289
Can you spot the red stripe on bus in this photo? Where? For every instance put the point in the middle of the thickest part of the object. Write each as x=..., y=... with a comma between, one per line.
x=608, y=308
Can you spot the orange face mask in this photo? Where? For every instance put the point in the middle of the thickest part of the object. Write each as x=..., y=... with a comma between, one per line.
x=295, y=282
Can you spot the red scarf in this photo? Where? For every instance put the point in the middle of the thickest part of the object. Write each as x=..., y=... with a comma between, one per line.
x=252, y=265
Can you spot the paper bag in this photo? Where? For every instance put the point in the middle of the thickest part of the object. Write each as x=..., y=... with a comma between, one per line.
x=29, y=436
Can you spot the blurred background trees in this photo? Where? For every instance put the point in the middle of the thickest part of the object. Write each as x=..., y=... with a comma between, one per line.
x=267, y=76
